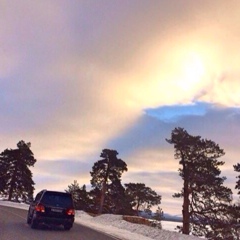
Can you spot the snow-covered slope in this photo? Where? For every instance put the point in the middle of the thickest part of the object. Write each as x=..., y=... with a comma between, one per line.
x=115, y=226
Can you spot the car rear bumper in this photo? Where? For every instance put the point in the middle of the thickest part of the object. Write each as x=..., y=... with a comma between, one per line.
x=53, y=220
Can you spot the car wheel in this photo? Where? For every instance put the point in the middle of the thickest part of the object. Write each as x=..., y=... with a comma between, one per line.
x=34, y=224
x=29, y=219
x=67, y=227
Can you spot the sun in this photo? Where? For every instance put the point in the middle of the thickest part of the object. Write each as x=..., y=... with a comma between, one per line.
x=193, y=70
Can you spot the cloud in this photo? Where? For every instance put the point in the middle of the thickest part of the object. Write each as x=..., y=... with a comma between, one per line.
x=150, y=158
x=59, y=173
x=79, y=76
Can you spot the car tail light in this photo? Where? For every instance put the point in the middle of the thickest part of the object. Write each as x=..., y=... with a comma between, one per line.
x=40, y=208
x=70, y=211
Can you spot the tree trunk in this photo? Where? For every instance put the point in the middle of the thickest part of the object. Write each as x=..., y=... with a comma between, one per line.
x=12, y=184
x=137, y=208
x=104, y=186
x=186, y=202
x=102, y=197
x=185, y=211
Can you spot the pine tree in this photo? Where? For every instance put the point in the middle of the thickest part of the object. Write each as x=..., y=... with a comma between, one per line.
x=205, y=199
x=16, y=180
x=158, y=215
x=80, y=195
x=116, y=199
x=4, y=166
x=74, y=189
x=106, y=171
x=237, y=169
x=141, y=196
x=235, y=208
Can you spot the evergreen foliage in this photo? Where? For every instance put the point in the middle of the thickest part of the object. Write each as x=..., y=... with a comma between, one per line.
x=158, y=215
x=79, y=195
x=108, y=195
x=205, y=199
x=116, y=200
x=15, y=176
x=237, y=169
x=141, y=197
x=106, y=177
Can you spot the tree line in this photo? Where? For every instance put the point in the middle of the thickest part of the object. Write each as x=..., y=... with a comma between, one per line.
x=208, y=209
x=107, y=194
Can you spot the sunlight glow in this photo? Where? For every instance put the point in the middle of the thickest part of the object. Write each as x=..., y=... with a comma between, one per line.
x=193, y=71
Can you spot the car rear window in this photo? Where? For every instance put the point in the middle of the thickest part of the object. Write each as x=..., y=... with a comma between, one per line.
x=57, y=199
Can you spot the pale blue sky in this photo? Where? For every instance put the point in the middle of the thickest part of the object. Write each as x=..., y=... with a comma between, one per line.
x=174, y=113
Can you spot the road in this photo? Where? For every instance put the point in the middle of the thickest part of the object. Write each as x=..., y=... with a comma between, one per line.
x=13, y=226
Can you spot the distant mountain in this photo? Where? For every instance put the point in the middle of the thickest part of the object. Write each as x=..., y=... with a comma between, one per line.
x=166, y=216
x=173, y=218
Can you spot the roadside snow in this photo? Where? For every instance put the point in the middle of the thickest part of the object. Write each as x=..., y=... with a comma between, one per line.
x=115, y=226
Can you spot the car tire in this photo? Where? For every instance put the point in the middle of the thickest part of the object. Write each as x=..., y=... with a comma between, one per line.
x=34, y=224
x=29, y=220
x=67, y=227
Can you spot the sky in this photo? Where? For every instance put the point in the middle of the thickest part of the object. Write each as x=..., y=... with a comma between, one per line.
x=77, y=77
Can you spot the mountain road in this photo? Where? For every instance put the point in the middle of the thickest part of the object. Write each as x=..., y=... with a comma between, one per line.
x=13, y=226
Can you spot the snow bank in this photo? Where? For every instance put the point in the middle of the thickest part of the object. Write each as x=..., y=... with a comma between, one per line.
x=114, y=225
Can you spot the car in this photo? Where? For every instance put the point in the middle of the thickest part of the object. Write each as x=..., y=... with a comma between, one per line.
x=52, y=208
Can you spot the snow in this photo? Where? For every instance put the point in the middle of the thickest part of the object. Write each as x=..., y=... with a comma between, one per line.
x=114, y=225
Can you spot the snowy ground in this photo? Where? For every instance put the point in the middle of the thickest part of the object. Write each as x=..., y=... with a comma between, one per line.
x=115, y=226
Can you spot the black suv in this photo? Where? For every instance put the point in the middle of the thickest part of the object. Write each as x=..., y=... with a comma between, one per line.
x=51, y=207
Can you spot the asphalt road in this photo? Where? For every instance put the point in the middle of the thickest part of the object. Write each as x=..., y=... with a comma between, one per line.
x=13, y=226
